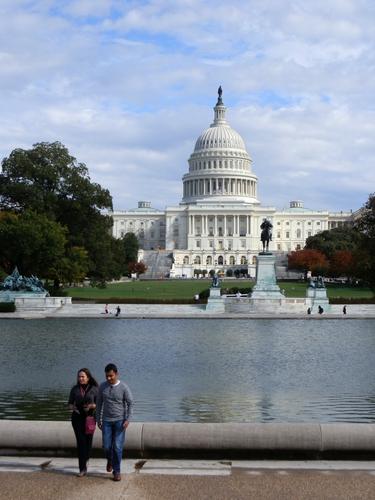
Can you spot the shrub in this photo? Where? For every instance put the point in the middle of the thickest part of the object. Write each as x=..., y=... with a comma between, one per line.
x=7, y=307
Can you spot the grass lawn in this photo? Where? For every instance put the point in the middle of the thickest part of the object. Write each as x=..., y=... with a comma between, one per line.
x=186, y=289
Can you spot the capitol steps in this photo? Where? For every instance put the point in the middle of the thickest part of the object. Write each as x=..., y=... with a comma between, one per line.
x=158, y=262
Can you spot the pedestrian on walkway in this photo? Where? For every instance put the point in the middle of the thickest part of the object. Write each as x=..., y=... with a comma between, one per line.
x=320, y=310
x=114, y=409
x=106, y=309
x=344, y=310
x=82, y=403
x=118, y=311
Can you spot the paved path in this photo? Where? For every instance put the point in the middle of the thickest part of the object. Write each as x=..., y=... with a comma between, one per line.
x=33, y=478
x=358, y=311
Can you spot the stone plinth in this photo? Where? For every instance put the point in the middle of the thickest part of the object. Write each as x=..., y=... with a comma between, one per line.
x=32, y=303
x=266, y=286
x=266, y=295
x=215, y=302
x=320, y=299
x=11, y=296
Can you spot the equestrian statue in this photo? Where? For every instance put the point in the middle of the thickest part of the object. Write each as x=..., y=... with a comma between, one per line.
x=266, y=234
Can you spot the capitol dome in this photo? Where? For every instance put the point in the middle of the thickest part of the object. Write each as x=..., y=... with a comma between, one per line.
x=220, y=166
x=219, y=136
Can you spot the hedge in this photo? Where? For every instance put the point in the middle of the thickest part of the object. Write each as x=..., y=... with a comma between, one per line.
x=7, y=307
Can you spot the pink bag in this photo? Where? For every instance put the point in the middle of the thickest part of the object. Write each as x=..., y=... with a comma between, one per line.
x=90, y=425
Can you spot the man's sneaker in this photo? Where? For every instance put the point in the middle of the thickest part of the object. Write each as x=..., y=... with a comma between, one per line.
x=109, y=466
x=116, y=476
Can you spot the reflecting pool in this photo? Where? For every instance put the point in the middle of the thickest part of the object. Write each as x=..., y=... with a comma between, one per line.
x=196, y=370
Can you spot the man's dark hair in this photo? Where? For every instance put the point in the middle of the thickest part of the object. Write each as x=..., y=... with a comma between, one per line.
x=111, y=368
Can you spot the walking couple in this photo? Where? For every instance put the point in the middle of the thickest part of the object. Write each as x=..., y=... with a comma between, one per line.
x=112, y=405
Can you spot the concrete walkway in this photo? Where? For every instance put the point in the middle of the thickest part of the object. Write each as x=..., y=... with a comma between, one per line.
x=358, y=311
x=35, y=478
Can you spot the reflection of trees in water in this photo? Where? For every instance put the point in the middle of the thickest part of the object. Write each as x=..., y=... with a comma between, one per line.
x=226, y=408
x=25, y=405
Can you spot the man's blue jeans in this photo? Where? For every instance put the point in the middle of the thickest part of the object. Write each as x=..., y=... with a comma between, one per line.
x=113, y=442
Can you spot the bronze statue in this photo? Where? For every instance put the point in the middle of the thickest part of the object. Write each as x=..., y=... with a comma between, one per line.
x=215, y=281
x=15, y=282
x=220, y=92
x=266, y=234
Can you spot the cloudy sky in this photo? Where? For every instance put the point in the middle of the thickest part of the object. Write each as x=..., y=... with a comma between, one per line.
x=128, y=86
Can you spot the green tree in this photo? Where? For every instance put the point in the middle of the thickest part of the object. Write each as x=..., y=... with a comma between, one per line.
x=32, y=242
x=334, y=240
x=365, y=255
x=131, y=247
x=51, y=182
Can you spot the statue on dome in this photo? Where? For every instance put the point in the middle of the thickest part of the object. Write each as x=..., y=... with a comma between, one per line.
x=220, y=93
x=266, y=234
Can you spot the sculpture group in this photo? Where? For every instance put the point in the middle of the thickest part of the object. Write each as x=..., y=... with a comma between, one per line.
x=15, y=282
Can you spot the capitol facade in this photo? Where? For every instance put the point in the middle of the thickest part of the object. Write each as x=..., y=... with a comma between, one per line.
x=216, y=226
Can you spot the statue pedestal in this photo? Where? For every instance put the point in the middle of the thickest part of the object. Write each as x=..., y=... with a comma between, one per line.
x=266, y=295
x=318, y=297
x=215, y=302
x=266, y=286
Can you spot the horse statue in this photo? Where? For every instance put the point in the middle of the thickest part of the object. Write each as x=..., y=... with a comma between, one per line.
x=266, y=234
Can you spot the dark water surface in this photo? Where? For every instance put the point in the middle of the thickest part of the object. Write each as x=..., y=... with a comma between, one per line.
x=196, y=370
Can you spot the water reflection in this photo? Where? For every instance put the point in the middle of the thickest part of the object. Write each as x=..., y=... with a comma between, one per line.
x=196, y=370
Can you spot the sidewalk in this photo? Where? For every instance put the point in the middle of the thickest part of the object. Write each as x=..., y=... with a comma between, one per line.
x=23, y=478
x=187, y=311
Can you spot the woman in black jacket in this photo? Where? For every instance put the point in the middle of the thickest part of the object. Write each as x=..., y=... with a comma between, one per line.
x=82, y=403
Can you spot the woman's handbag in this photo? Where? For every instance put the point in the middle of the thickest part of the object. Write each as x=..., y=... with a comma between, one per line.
x=90, y=425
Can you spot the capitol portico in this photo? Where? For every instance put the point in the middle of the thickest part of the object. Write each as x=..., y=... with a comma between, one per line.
x=217, y=224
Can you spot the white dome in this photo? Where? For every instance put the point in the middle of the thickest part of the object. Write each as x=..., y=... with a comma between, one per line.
x=219, y=136
x=220, y=166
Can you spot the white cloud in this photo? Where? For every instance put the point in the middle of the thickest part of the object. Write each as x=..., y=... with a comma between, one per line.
x=129, y=86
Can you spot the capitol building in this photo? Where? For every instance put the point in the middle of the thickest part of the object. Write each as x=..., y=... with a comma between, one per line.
x=216, y=226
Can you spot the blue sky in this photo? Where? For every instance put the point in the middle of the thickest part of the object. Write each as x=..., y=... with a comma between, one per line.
x=128, y=86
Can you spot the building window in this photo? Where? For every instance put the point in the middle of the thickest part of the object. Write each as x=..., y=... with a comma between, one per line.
x=309, y=234
x=197, y=260
x=254, y=261
x=186, y=259
x=232, y=260
x=287, y=234
x=211, y=243
x=197, y=243
x=220, y=260
x=243, y=260
x=298, y=233
x=287, y=223
x=230, y=244
x=152, y=234
x=318, y=223
x=243, y=243
x=209, y=260
x=278, y=234
x=278, y=246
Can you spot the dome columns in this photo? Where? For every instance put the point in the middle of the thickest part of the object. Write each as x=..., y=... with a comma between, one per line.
x=218, y=186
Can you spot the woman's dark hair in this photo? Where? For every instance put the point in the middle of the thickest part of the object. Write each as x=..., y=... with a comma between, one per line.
x=111, y=368
x=91, y=381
